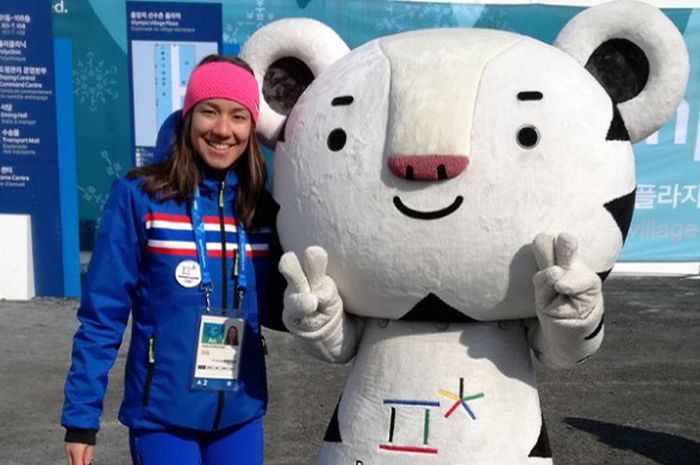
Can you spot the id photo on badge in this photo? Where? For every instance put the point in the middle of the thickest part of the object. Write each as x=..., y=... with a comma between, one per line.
x=232, y=336
x=218, y=352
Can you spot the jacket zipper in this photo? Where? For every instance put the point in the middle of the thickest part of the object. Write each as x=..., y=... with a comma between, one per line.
x=149, y=370
x=222, y=230
x=224, y=290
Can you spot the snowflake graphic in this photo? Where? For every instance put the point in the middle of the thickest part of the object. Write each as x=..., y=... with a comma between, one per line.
x=231, y=33
x=113, y=169
x=399, y=17
x=247, y=22
x=90, y=193
x=94, y=82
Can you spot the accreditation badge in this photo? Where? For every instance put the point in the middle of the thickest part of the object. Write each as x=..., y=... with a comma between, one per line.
x=218, y=352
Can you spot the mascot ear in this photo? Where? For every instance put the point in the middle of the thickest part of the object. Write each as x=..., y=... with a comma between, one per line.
x=286, y=55
x=637, y=55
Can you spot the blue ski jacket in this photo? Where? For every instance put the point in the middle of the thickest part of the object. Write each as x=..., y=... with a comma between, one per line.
x=141, y=241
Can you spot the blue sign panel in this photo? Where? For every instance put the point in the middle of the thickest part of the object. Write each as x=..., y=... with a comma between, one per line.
x=666, y=224
x=166, y=40
x=29, y=164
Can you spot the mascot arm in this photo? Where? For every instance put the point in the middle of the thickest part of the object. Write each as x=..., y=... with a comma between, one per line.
x=313, y=309
x=569, y=303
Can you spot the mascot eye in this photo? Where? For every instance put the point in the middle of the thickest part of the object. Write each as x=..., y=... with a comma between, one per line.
x=336, y=139
x=528, y=137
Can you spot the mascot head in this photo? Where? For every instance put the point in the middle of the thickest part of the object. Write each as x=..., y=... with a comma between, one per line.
x=426, y=162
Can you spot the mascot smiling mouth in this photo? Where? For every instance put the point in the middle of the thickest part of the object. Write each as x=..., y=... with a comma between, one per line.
x=427, y=215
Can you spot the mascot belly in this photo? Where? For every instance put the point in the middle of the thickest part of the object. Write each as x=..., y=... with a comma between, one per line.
x=451, y=201
x=439, y=393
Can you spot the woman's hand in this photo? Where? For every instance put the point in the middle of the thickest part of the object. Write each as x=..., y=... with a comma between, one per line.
x=79, y=454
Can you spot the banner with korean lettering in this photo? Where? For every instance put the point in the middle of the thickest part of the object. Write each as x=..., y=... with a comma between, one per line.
x=666, y=232
x=31, y=181
x=666, y=224
x=166, y=41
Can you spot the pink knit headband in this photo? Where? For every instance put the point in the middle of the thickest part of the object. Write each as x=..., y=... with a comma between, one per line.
x=221, y=79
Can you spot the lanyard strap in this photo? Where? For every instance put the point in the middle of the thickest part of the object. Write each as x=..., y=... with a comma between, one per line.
x=200, y=239
x=239, y=265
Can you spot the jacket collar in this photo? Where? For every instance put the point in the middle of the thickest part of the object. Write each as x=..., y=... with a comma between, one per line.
x=211, y=179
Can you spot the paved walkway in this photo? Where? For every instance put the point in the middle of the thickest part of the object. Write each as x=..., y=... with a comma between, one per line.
x=637, y=402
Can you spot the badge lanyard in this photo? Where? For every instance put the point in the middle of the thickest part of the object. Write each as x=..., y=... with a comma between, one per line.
x=219, y=344
x=239, y=266
x=200, y=239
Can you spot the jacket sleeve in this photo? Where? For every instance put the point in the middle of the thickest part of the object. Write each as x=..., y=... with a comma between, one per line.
x=271, y=311
x=104, y=308
x=271, y=314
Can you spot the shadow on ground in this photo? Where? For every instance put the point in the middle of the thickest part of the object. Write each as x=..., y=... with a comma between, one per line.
x=662, y=448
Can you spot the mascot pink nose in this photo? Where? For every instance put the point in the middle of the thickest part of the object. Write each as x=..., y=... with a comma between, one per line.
x=427, y=167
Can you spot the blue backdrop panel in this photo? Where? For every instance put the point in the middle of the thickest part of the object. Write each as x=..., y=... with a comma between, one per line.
x=66, y=167
x=666, y=225
x=29, y=167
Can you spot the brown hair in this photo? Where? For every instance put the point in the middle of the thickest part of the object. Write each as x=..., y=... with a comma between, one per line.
x=177, y=177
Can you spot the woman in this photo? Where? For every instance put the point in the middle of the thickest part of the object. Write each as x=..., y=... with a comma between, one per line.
x=167, y=253
x=232, y=336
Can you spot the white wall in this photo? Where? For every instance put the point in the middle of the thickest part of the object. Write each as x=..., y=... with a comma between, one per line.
x=16, y=258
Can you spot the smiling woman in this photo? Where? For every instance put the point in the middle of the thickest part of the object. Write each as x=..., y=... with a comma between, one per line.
x=220, y=131
x=189, y=244
x=218, y=116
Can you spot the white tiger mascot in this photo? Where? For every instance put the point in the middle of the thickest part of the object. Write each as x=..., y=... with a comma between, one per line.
x=456, y=197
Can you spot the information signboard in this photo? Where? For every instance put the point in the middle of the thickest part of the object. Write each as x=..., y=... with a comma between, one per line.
x=30, y=182
x=166, y=40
